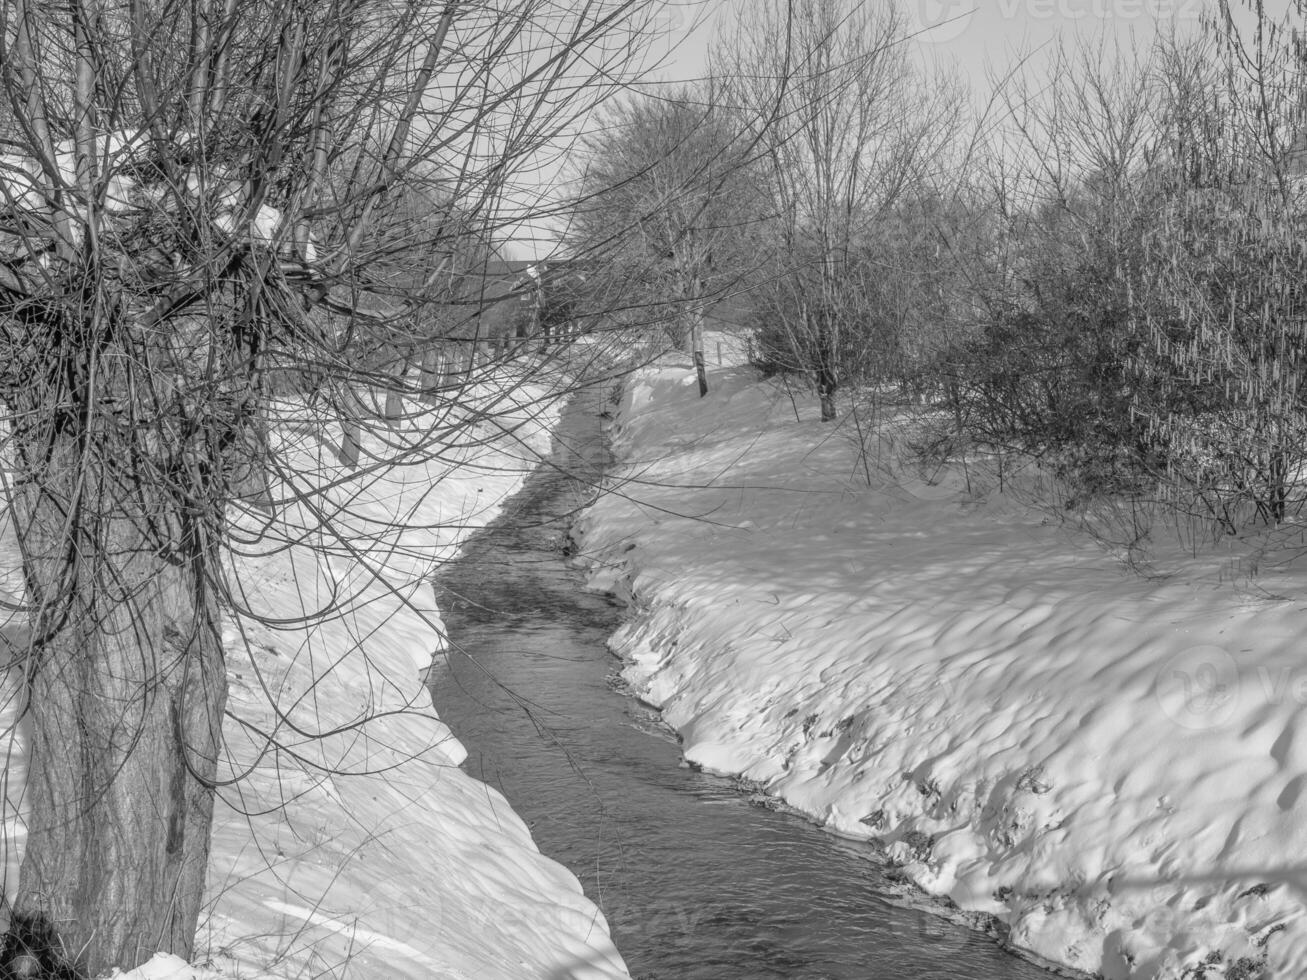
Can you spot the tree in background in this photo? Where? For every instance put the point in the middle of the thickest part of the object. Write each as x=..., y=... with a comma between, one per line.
x=847, y=127
x=1147, y=333
x=1222, y=317
x=197, y=203
x=666, y=196
x=1110, y=281
x=1044, y=371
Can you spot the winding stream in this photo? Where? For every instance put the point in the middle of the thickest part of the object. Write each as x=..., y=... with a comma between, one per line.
x=696, y=880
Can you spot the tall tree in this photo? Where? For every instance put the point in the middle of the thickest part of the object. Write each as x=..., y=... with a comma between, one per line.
x=1223, y=311
x=195, y=206
x=848, y=126
x=667, y=193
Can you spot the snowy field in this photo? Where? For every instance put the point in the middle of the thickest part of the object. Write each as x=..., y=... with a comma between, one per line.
x=358, y=848
x=1112, y=767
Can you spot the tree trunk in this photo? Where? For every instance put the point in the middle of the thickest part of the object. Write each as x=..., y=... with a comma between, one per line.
x=1278, y=486
x=431, y=372
x=394, y=405
x=353, y=411
x=126, y=690
x=696, y=345
x=826, y=395
x=394, y=410
x=250, y=479
x=351, y=443
x=827, y=379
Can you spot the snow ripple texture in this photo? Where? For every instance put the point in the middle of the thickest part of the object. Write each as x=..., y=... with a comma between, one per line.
x=1111, y=766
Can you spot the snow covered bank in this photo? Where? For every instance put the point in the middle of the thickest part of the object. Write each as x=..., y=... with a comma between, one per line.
x=1112, y=767
x=356, y=847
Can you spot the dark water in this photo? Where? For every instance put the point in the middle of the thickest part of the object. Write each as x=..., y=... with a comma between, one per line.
x=696, y=881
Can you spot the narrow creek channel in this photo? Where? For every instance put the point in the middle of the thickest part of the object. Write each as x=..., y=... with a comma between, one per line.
x=695, y=879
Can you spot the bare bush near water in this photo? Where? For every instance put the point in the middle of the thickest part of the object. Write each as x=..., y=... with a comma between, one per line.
x=1122, y=298
x=1146, y=341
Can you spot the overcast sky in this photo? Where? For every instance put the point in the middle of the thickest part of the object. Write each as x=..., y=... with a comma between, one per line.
x=971, y=35
x=978, y=39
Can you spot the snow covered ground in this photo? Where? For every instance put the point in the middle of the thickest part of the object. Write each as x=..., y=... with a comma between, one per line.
x=361, y=849
x=1113, y=767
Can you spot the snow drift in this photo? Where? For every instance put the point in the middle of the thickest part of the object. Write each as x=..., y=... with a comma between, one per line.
x=352, y=845
x=1112, y=768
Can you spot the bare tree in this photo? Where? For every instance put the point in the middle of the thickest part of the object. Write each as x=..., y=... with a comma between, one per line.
x=1142, y=326
x=196, y=218
x=1045, y=370
x=668, y=193
x=848, y=125
x=1223, y=306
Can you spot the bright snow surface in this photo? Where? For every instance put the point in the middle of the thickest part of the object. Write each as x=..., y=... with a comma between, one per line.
x=1111, y=765
x=408, y=868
